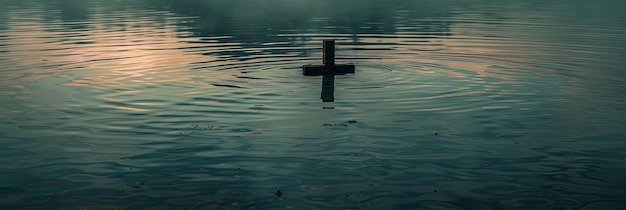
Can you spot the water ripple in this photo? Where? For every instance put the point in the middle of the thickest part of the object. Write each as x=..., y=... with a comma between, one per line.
x=192, y=105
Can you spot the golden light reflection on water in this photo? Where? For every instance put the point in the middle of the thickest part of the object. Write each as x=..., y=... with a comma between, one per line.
x=124, y=51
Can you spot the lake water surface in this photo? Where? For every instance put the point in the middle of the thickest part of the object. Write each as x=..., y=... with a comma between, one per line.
x=201, y=104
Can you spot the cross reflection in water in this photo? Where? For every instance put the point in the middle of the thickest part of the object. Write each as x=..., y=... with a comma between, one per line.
x=328, y=70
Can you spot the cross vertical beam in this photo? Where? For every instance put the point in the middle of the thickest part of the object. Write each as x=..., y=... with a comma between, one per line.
x=328, y=53
x=329, y=67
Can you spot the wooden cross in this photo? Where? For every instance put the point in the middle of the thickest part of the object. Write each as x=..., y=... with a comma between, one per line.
x=328, y=70
x=328, y=67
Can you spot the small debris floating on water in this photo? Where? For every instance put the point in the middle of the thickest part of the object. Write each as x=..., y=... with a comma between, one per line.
x=436, y=133
x=352, y=121
x=278, y=193
x=138, y=185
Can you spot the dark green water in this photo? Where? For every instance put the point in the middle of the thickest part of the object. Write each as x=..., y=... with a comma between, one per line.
x=201, y=104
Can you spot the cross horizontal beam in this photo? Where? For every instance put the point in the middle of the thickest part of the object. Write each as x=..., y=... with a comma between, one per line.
x=317, y=70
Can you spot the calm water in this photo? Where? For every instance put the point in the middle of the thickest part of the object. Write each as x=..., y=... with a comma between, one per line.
x=201, y=104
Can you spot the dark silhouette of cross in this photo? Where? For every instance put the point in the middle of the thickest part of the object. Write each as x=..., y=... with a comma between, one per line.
x=328, y=67
x=328, y=70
